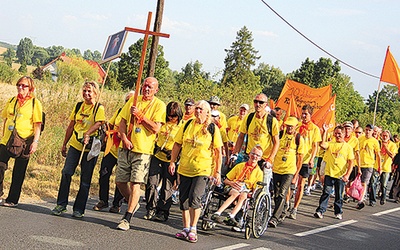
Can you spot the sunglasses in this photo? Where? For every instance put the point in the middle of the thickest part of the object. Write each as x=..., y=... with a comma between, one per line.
x=259, y=102
x=22, y=86
x=358, y=132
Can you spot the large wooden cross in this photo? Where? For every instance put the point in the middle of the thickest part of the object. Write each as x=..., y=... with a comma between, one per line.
x=146, y=33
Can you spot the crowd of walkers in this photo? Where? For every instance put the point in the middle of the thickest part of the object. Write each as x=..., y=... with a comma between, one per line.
x=168, y=150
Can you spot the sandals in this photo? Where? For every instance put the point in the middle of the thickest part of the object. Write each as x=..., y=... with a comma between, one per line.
x=189, y=236
x=192, y=237
x=182, y=235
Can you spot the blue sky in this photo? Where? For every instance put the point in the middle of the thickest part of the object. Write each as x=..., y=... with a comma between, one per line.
x=357, y=31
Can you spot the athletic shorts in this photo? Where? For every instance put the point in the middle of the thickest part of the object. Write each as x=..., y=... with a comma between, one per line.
x=191, y=191
x=305, y=171
x=132, y=167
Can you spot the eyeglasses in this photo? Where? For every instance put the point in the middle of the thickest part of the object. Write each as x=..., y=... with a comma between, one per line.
x=256, y=155
x=358, y=132
x=259, y=102
x=22, y=86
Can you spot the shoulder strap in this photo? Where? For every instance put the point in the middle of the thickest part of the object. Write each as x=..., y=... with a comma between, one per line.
x=119, y=110
x=77, y=107
x=211, y=129
x=270, y=118
x=96, y=108
x=297, y=140
x=186, y=125
x=249, y=119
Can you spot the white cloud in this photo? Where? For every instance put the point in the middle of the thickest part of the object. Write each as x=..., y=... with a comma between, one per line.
x=265, y=33
x=340, y=12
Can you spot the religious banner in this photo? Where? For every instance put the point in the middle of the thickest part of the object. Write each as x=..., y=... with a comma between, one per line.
x=303, y=94
x=114, y=46
x=326, y=114
x=292, y=109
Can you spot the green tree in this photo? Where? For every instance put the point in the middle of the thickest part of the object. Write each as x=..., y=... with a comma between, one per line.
x=25, y=51
x=9, y=56
x=88, y=55
x=55, y=51
x=272, y=80
x=128, y=66
x=96, y=56
x=40, y=56
x=240, y=59
x=73, y=52
x=316, y=74
x=23, y=68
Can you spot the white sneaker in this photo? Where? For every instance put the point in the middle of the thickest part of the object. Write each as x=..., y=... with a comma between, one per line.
x=339, y=216
x=123, y=225
x=318, y=215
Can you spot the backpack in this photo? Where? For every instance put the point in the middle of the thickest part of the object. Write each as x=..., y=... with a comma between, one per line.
x=33, y=107
x=101, y=131
x=268, y=121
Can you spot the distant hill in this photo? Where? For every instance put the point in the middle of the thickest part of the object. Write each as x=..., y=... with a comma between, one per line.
x=7, y=45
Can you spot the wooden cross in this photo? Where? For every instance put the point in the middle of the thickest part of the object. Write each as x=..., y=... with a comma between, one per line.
x=146, y=33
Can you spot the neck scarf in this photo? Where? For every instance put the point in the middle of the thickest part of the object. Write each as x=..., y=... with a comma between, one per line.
x=304, y=128
x=246, y=172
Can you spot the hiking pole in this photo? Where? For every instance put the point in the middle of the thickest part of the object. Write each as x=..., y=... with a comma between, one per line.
x=83, y=151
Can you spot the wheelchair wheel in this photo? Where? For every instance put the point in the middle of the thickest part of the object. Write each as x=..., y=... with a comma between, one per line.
x=260, y=216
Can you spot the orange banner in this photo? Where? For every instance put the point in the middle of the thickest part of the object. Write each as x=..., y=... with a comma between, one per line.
x=390, y=70
x=302, y=95
x=326, y=114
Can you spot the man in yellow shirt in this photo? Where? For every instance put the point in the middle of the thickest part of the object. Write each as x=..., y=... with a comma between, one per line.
x=369, y=153
x=388, y=151
x=312, y=137
x=240, y=181
x=138, y=129
x=234, y=125
x=339, y=158
x=287, y=164
x=189, y=110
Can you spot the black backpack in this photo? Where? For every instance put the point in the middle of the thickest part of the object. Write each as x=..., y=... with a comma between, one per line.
x=210, y=128
x=268, y=121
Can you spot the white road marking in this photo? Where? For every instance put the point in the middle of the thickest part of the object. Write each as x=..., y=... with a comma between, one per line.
x=261, y=248
x=57, y=241
x=322, y=229
x=387, y=211
x=237, y=246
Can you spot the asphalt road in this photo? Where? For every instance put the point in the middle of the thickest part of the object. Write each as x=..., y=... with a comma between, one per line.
x=30, y=225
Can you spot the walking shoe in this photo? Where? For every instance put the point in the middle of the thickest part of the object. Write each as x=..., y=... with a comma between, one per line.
x=77, y=214
x=123, y=225
x=372, y=204
x=1, y=201
x=10, y=204
x=307, y=192
x=313, y=187
x=100, y=206
x=149, y=214
x=232, y=222
x=218, y=218
x=382, y=202
x=293, y=214
x=318, y=215
x=339, y=216
x=346, y=199
x=115, y=209
x=58, y=210
x=160, y=216
x=360, y=205
x=273, y=223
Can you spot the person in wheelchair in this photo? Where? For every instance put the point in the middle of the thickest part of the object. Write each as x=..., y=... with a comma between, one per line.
x=241, y=180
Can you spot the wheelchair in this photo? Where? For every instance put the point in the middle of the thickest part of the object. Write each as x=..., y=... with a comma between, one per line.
x=254, y=215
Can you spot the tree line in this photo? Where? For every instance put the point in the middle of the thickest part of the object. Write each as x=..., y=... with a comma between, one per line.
x=241, y=78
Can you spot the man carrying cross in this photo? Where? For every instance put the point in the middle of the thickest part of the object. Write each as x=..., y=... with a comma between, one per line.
x=139, y=126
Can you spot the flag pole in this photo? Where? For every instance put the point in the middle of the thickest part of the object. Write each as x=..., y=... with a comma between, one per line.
x=376, y=102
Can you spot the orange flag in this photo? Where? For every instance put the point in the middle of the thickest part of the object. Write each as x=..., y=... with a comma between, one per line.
x=390, y=70
x=271, y=103
x=303, y=94
x=326, y=115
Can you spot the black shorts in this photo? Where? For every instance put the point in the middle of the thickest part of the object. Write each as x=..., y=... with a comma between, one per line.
x=305, y=171
x=191, y=190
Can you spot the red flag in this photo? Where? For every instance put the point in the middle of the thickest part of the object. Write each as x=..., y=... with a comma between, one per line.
x=390, y=70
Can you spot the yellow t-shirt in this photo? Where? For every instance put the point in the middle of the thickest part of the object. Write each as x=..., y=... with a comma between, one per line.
x=25, y=118
x=336, y=156
x=166, y=137
x=233, y=128
x=368, y=148
x=84, y=119
x=257, y=133
x=311, y=136
x=197, y=151
x=142, y=139
x=386, y=160
x=287, y=151
x=224, y=125
x=251, y=181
